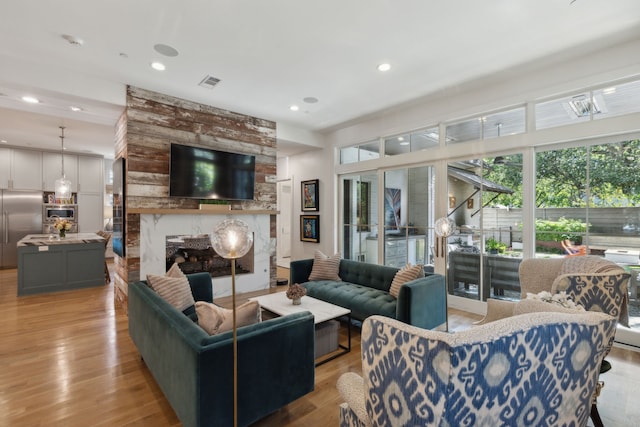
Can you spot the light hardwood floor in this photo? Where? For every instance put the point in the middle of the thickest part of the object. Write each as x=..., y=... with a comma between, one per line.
x=66, y=359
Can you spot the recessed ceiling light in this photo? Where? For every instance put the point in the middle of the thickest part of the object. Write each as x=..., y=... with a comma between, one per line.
x=75, y=109
x=159, y=66
x=165, y=49
x=4, y=141
x=609, y=90
x=310, y=99
x=384, y=67
x=30, y=99
x=294, y=108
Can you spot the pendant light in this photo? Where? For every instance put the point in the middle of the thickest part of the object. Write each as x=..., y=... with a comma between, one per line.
x=62, y=184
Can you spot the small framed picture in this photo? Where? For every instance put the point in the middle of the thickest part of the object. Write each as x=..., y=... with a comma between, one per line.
x=309, y=194
x=310, y=228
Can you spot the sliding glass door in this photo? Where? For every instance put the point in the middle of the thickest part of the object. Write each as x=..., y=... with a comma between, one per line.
x=485, y=202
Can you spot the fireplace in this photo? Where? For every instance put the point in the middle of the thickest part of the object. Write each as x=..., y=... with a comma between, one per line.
x=155, y=229
x=194, y=254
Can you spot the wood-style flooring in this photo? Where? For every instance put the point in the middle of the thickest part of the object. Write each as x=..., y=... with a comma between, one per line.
x=66, y=359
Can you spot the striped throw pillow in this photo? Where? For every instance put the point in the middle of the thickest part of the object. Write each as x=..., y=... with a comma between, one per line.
x=325, y=267
x=174, y=290
x=405, y=274
x=174, y=271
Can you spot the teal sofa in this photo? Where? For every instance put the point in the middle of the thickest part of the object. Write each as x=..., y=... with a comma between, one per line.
x=364, y=290
x=195, y=370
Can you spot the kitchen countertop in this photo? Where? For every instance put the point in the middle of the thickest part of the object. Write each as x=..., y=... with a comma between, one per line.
x=53, y=239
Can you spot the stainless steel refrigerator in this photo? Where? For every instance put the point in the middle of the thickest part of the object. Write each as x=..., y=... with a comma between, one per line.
x=21, y=215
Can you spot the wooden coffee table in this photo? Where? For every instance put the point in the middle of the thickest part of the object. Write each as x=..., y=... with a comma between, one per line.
x=322, y=311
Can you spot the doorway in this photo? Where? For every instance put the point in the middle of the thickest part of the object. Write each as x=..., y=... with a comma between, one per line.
x=283, y=222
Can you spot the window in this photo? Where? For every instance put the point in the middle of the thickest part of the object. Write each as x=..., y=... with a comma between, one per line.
x=411, y=142
x=503, y=123
x=359, y=153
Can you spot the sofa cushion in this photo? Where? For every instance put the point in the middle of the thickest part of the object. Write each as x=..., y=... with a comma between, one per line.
x=363, y=301
x=175, y=290
x=215, y=319
x=325, y=267
x=405, y=274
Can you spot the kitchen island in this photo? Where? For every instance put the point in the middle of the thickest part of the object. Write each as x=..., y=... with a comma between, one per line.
x=47, y=263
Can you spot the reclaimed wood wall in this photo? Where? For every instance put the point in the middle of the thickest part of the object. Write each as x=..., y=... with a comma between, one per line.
x=144, y=133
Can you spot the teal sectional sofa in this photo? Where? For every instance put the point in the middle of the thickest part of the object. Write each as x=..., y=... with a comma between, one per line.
x=194, y=370
x=364, y=290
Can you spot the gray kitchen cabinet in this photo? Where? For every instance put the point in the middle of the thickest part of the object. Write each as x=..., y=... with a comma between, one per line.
x=21, y=169
x=90, y=212
x=90, y=175
x=5, y=167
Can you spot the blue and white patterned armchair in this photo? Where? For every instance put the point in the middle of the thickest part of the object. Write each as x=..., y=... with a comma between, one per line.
x=595, y=283
x=536, y=369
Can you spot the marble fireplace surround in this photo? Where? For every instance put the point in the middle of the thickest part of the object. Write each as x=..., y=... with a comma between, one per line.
x=155, y=227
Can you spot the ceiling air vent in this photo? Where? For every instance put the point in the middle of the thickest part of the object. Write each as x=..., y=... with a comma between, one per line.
x=209, y=82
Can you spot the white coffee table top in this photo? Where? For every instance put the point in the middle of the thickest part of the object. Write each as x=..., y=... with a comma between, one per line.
x=322, y=311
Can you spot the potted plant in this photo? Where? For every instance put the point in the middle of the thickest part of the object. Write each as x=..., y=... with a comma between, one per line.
x=494, y=246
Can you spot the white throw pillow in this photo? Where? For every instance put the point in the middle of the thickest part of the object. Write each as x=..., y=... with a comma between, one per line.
x=215, y=319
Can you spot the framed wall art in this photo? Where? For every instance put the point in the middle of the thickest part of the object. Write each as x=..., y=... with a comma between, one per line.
x=310, y=195
x=310, y=228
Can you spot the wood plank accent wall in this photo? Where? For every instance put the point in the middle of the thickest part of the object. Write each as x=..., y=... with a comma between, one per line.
x=144, y=133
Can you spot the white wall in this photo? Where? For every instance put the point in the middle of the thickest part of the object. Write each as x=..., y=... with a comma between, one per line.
x=316, y=164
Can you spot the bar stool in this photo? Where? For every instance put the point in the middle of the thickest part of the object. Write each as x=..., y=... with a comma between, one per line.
x=106, y=236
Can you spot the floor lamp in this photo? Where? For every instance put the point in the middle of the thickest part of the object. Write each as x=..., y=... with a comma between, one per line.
x=232, y=239
x=444, y=227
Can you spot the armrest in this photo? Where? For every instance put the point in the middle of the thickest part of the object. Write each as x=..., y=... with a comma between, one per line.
x=351, y=388
x=422, y=302
x=300, y=270
x=497, y=309
x=276, y=365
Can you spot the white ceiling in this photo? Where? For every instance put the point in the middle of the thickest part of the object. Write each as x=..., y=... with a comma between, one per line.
x=271, y=54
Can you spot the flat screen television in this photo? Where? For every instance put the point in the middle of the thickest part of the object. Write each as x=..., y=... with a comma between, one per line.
x=202, y=173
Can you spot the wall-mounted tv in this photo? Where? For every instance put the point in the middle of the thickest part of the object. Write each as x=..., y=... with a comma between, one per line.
x=211, y=174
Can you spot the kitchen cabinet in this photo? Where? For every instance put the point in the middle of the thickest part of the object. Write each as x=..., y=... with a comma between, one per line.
x=50, y=265
x=398, y=250
x=90, y=175
x=20, y=169
x=90, y=212
x=52, y=170
x=5, y=167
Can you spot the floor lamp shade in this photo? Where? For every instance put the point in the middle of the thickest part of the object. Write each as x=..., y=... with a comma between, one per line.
x=231, y=238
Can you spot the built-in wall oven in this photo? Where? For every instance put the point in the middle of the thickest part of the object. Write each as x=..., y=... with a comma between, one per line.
x=51, y=212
